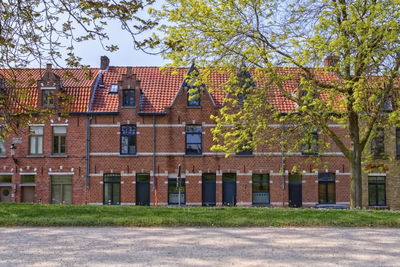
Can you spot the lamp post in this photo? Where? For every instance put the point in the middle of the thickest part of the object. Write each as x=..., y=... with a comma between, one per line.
x=12, y=150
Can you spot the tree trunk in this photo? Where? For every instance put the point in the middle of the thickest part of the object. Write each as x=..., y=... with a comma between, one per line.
x=355, y=161
x=356, y=179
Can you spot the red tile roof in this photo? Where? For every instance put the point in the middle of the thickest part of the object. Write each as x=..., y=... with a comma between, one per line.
x=77, y=83
x=159, y=86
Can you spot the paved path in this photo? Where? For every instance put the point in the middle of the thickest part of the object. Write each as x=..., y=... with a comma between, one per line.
x=199, y=247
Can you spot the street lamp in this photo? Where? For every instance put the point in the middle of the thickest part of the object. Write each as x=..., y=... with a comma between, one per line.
x=12, y=149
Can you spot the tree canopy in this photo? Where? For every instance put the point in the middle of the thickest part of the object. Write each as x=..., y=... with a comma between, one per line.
x=46, y=31
x=282, y=44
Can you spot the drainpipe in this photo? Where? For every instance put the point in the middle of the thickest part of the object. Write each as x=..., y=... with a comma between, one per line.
x=283, y=165
x=154, y=161
x=88, y=135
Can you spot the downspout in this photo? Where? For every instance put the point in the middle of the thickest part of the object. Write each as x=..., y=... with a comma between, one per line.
x=88, y=121
x=88, y=135
x=154, y=162
x=283, y=166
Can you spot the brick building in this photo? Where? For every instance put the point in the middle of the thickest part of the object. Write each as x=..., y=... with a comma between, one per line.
x=132, y=130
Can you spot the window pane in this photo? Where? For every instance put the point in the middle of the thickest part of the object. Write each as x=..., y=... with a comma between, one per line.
x=381, y=195
x=59, y=130
x=61, y=179
x=193, y=138
x=331, y=193
x=36, y=130
x=62, y=144
x=116, y=193
x=193, y=129
x=56, y=194
x=28, y=179
x=124, y=144
x=115, y=178
x=40, y=144
x=143, y=177
x=55, y=144
x=229, y=177
x=67, y=194
x=295, y=178
x=372, y=193
x=209, y=177
x=326, y=176
x=193, y=149
x=322, y=193
x=6, y=179
x=108, y=193
x=2, y=147
x=32, y=149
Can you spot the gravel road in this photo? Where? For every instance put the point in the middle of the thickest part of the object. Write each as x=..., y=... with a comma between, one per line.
x=199, y=247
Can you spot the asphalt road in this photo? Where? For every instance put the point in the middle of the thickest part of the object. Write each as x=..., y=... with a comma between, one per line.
x=199, y=247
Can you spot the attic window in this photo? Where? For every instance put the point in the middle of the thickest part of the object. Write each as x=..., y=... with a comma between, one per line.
x=113, y=88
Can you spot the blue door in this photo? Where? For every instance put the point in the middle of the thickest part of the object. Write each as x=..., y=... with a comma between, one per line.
x=229, y=189
x=209, y=189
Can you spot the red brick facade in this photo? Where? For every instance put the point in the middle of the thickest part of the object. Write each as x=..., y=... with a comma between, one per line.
x=160, y=115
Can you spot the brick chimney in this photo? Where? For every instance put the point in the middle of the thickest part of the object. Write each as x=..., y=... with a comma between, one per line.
x=104, y=62
x=331, y=61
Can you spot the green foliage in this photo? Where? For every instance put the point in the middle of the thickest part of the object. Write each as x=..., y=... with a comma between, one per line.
x=360, y=38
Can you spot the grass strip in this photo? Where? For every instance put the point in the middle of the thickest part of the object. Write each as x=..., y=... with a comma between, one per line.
x=16, y=214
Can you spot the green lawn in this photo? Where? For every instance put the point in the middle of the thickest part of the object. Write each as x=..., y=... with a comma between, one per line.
x=57, y=215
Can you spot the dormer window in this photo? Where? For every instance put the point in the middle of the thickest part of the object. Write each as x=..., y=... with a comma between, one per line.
x=128, y=98
x=48, y=97
x=113, y=88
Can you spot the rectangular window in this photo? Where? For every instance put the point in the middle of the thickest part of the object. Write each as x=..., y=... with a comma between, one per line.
x=128, y=140
x=398, y=142
x=112, y=189
x=128, y=98
x=2, y=147
x=193, y=97
x=193, y=140
x=5, y=179
x=378, y=143
x=260, y=186
x=176, y=191
x=36, y=140
x=61, y=189
x=27, y=179
x=326, y=188
x=59, y=139
x=377, y=191
x=48, y=98
x=310, y=146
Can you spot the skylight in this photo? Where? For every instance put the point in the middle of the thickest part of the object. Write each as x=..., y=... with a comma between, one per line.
x=113, y=88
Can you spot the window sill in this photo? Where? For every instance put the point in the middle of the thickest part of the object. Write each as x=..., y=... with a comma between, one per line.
x=35, y=156
x=59, y=156
x=129, y=156
x=128, y=107
x=194, y=107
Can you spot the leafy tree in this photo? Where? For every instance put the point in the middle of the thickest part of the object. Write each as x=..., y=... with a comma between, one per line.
x=268, y=39
x=43, y=31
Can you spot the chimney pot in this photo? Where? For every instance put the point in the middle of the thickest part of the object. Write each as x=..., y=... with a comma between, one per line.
x=129, y=70
x=331, y=61
x=104, y=62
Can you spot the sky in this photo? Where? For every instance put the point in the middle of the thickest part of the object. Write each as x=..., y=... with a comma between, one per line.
x=127, y=55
